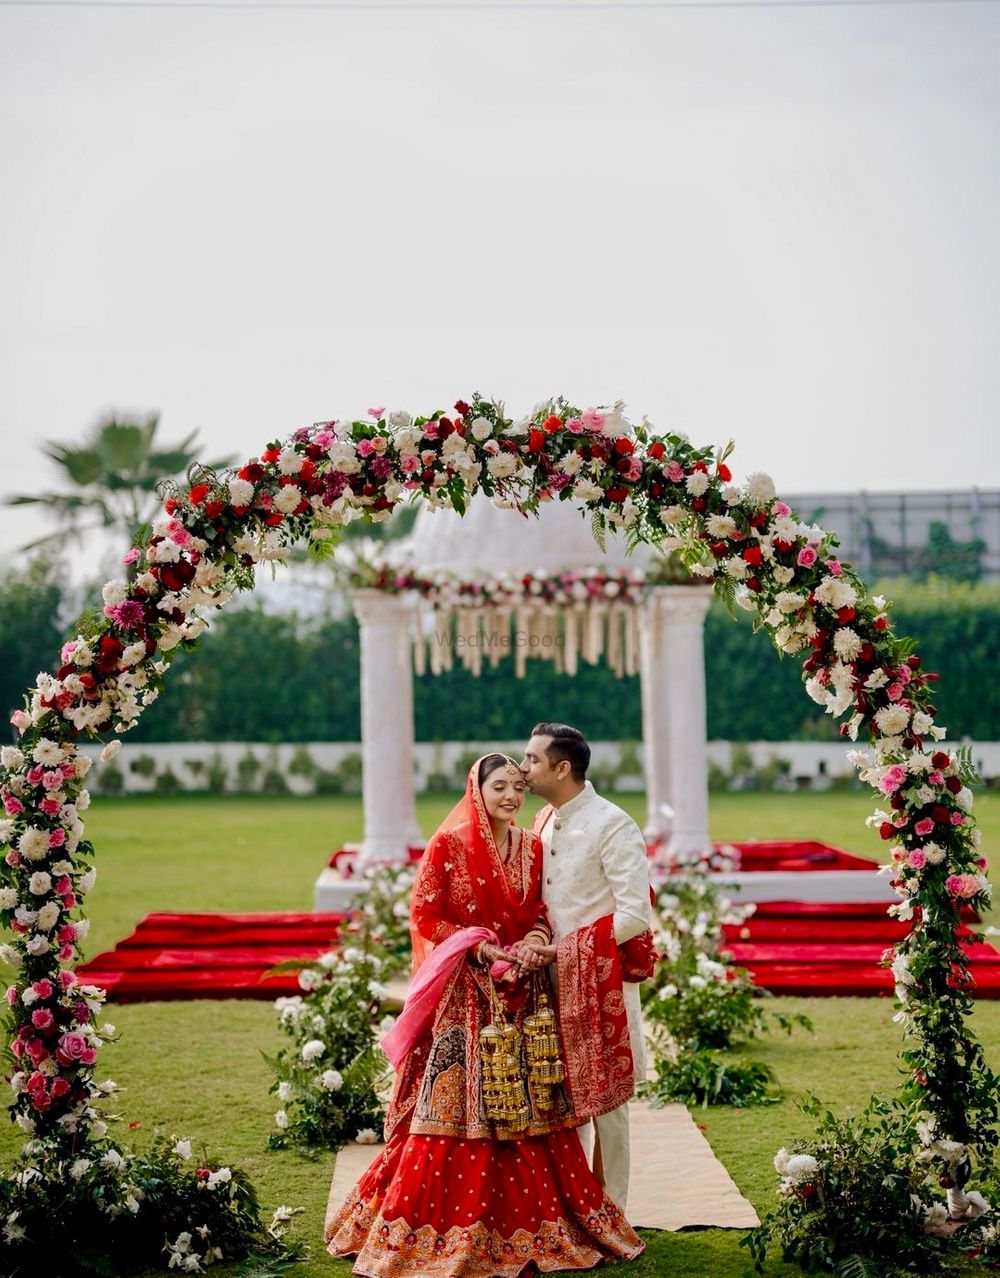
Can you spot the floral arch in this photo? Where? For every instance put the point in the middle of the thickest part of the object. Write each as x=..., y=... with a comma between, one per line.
x=655, y=487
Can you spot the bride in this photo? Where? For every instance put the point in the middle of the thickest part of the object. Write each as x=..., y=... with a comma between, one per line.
x=455, y=1194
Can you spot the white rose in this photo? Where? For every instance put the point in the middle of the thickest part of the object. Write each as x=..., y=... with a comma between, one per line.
x=331, y=1080
x=112, y=748
x=183, y=1149
x=80, y=1167
x=8, y=898
x=502, y=466
x=39, y=883
x=48, y=917
x=481, y=428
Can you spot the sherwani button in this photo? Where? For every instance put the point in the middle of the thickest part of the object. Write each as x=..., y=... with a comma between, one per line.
x=558, y=825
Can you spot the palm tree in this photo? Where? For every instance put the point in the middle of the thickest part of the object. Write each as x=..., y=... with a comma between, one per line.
x=113, y=476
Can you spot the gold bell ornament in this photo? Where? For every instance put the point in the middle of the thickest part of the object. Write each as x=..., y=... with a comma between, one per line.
x=543, y=1047
x=504, y=1099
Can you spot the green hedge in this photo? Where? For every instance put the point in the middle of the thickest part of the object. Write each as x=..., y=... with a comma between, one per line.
x=261, y=677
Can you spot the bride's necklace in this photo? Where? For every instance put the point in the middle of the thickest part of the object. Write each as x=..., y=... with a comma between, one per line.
x=506, y=848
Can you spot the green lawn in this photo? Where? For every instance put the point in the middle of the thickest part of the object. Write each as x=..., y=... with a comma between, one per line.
x=194, y=1069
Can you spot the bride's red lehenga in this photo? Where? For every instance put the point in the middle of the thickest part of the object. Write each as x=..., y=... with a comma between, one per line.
x=451, y=1197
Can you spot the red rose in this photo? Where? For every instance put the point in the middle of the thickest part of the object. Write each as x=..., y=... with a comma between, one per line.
x=462, y=408
x=213, y=508
x=176, y=576
x=272, y=521
x=109, y=651
x=753, y=555
x=198, y=493
x=536, y=441
x=656, y=449
x=552, y=424
x=624, y=446
x=880, y=623
x=953, y=784
x=752, y=583
x=308, y=469
x=844, y=615
x=758, y=519
x=783, y=546
x=699, y=504
x=270, y=454
x=887, y=830
x=170, y=505
x=939, y=759
x=252, y=472
x=617, y=494
x=725, y=474
x=913, y=662
x=719, y=548
x=446, y=427
x=940, y=815
x=598, y=452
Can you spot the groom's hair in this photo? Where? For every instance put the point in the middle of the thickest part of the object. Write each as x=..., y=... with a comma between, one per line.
x=567, y=743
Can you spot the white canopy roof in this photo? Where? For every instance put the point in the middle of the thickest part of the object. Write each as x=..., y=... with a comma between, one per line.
x=490, y=541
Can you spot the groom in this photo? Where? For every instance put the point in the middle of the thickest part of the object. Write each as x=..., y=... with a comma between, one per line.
x=594, y=864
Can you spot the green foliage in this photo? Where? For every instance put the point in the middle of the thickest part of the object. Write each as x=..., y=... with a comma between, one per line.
x=31, y=601
x=114, y=1212
x=945, y=557
x=701, y=1076
x=109, y=779
x=853, y=1195
x=143, y=765
x=167, y=782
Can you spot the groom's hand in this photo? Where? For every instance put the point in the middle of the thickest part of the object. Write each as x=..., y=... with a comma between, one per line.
x=533, y=957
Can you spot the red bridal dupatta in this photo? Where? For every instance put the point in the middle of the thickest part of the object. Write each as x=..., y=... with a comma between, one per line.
x=464, y=893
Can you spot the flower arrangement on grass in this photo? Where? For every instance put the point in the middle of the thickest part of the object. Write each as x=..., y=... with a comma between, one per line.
x=330, y=1078
x=653, y=487
x=111, y=1210
x=698, y=1004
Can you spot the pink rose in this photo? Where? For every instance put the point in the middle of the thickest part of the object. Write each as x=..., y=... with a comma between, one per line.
x=89, y=1056
x=575, y=425
x=376, y=412
x=13, y=806
x=935, y=778
x=42, y=1019
x=894, y=691
x=43, y=988
x=593, y=420
x=67, y=650
x=674, y=471
x=64, y=886
x=409, y=462
x=59, y=1088
x=71, y=1049
x=365, y=448
x=892, y=779
x=924, y=827
x=916, y=860
x=12, y=995
x=51, y=807
x=780, y=509
x=35, y=774
x=67, y=980
x=958, y=818
x=17, y=1049
x=634, y=469
x=379, y=444
x=57, y=838
x=131, y=556
x=20, y=720
x=13, y=858
x=806, y=557
x=833, y=567
x=963, y=886
x=52, y=780
x=431, y=430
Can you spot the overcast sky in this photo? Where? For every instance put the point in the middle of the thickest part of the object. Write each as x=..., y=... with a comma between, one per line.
x=777, y=224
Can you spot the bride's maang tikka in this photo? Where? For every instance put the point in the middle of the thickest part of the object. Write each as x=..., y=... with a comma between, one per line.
x=512, y=769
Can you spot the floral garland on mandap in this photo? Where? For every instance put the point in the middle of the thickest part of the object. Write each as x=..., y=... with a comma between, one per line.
x=654, y=487
x=565, y=617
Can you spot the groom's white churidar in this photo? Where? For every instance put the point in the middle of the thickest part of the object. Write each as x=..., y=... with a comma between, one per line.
x=594, y=864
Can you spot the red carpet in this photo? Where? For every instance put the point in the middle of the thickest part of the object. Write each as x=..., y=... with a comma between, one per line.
x=791, y=947
x=171, y=956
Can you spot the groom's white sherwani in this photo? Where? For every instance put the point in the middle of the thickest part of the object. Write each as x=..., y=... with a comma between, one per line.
x=594, y=864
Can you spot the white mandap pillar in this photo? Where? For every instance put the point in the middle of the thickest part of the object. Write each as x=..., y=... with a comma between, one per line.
x=387, y=794
x=653, y=659
x=682, y=612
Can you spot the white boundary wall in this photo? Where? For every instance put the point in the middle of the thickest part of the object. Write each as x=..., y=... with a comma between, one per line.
x=807, y=759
